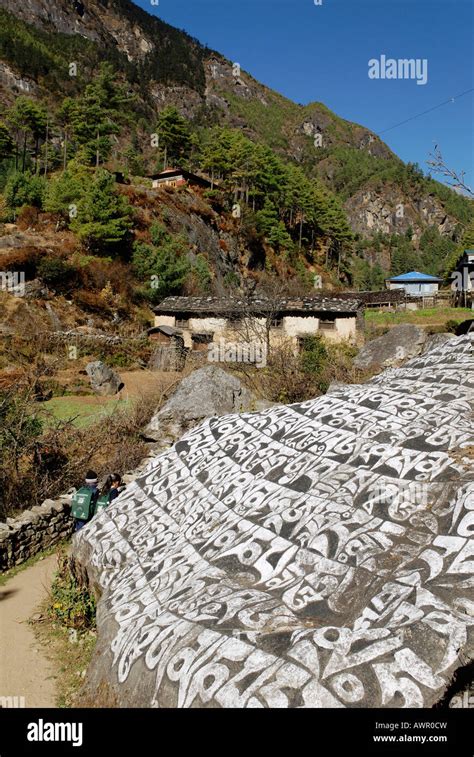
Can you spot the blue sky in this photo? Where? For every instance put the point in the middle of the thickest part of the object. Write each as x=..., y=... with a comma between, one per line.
x=320, y=53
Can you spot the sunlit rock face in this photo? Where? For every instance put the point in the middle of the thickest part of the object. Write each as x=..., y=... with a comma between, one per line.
x=317, y=555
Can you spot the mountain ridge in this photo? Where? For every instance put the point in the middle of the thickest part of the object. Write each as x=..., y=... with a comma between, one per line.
x=166, y=66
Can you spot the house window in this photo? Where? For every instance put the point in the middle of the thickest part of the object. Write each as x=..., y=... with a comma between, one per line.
x=182, y=323
x=277, y=323
x=326, y=325
x=201, y=341
x=202, y=338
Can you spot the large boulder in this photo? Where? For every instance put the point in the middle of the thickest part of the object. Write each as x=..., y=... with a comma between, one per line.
x=104, y=380
x=204, y=393
x=316, y=555
x=397, y=345
x=433, y=341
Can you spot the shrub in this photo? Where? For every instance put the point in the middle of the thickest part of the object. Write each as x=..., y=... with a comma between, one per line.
x=25, y=259
x=163, y=265
x=42, y=457
x=57, y=273
x=451, y=326
x=64, y=191
x=24, y=189
x=313, y=355
x=72, y=604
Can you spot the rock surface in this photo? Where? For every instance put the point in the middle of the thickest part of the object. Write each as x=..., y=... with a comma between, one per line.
x=390, y=349
x=204, y=393
x=316, y=555
x=104, y=380
x=434, y=341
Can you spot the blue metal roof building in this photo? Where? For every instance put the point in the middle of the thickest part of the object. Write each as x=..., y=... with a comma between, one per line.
x=415, y=283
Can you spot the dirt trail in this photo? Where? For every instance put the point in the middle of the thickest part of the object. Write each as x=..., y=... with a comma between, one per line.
x=25, y=670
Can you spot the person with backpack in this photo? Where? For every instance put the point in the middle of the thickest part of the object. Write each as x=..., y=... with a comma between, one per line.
x=84, y=501
x=109, y=492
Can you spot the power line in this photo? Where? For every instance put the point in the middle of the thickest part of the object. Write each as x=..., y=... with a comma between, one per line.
x=440, y=105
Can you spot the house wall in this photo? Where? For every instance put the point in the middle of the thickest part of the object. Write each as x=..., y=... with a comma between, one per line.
x=175, y=181
x=346, y=328
x=292, y=328
x=165, y=320
x=297, y=326
x=416, y=289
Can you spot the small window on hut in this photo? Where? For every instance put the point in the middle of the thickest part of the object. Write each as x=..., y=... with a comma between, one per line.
x=327, y=325
x=182, y=323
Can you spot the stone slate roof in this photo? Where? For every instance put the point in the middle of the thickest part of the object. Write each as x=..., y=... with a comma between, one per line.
x=373, y=298
x=228, y=306
x=314, y=555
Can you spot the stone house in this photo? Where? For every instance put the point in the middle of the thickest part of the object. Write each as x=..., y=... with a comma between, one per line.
x=206, y=320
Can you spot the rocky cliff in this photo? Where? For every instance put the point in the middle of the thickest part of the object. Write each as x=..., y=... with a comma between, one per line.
x=201, y=81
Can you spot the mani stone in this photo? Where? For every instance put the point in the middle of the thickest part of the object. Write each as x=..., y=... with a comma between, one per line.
x=104, y=380
x=397, y=345
x=204, y=393
x=315, y=555
x=436, y=340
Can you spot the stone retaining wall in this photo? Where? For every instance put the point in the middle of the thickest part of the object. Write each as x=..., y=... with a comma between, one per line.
x=45, y=525
x=34, y=530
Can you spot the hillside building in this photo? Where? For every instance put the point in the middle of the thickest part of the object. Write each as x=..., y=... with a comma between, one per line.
x=202, y=321
x=178, y=177
x=415, y=284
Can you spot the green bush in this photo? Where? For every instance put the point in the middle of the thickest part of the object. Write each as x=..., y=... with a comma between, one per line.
x=72, y=605
x=24, y=189
x=56, y=273
x=163, y=265
x=313, y=354
x=451, y=326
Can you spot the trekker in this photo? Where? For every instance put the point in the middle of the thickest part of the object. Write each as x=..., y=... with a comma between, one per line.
x=109, y=492
x=84, y=501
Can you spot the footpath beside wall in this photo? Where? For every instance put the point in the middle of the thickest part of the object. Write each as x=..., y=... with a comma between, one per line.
x=44, y=525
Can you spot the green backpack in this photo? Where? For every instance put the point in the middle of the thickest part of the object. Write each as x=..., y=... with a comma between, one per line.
x=83, y=504
x=101, y=503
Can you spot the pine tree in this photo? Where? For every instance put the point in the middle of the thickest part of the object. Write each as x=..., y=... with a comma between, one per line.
x=162, y=265
x=7, y=145
x=65, y=190
x=96, y=116
x=174, y=135
x=65, y=119
x=103, y=217
x=28, y=122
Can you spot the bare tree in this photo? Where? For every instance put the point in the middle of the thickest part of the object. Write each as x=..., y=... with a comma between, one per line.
x=454, y=178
